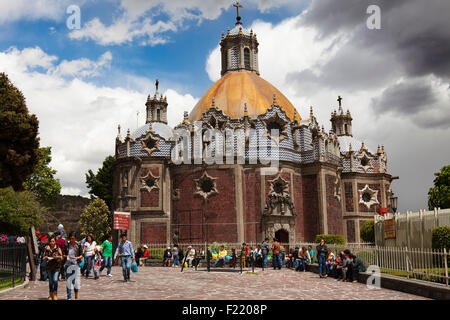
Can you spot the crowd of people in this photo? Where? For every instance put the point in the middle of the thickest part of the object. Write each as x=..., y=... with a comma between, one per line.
x=344, y=267
x=62, y=257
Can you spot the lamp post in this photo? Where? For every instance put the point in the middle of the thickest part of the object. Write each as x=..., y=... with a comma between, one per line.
x=393, y=202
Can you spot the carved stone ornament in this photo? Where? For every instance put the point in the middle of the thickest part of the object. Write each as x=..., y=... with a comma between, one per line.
x=279, y=200
x=205, y=186
x=149, y=144
x=149, y=182
x=337, y=189
x=276, y=122
x=368, y=197
x=364, y=161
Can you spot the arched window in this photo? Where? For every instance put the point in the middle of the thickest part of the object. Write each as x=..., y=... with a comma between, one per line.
x=346, y=129
x=247, y=58
x=158, y=115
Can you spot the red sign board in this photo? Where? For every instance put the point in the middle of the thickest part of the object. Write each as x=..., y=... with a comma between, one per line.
x=382, y=211
x=122, y=220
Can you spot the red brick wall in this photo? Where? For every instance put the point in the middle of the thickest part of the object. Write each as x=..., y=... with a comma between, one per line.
x=348, y=189
x=150, y=199
x=310, y=207
x=220, y=209
x=351, y=231
x=153, y=232
x=251, y=186
x=334, y=212
x=362, y=207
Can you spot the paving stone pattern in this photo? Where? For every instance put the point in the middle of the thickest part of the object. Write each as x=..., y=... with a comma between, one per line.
x=156, y=283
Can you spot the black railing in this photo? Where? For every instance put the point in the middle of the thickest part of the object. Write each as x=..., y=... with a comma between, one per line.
x=13, y=264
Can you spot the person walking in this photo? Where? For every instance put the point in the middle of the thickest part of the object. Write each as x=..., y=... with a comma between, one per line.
x=126, y=251
x=73, y=254
x=322, y=253
x=176, y=257
x=265, y=251
x=89, y=251
x=53, y=258
x=107, y=256
x=276, y=249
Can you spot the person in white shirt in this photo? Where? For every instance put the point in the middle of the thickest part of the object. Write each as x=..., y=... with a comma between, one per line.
x=89, y=251
x=190, y=255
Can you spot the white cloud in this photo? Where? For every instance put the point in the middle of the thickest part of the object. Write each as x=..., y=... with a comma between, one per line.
x=83, y=67
x=139, y=19
x=13, y=10
x=78, y=119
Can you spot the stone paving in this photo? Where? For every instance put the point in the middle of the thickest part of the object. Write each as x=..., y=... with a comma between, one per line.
x=169, y=284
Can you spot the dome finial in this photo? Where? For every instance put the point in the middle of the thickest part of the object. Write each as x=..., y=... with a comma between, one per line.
x=186, y=117
x=213, y=103
x=157, y=86
x=350, y=147
x=238, y=16
x=311, y=114
x=118, y=130
x=245, y=110
x=274, y=99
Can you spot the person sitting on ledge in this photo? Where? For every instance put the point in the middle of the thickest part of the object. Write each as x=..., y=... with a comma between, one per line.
x=221, y=257
x=357, y=267
x=145, y=255
x=167, y=257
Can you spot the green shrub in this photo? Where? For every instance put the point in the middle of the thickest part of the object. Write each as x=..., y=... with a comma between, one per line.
x=331, y=238
x=215, y=246
x=367, y=231
x=441, y=237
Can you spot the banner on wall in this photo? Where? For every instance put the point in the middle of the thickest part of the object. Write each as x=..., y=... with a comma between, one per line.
x=122, y=220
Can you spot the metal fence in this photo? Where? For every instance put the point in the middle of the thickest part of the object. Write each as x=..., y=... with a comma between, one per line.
x=414, y=263
x=13, y=264
x=412, y=229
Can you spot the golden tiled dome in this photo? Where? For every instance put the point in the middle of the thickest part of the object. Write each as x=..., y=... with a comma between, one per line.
x=235, y=89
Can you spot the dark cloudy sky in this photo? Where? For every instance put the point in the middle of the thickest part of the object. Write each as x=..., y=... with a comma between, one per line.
x=82, y=83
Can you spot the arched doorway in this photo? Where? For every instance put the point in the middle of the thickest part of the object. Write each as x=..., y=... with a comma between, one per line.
x=282, y=236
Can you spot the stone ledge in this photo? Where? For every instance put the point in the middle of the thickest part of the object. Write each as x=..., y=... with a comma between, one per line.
x=418, y=287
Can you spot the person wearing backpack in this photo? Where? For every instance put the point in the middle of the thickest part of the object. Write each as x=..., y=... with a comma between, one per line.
x=357, y=267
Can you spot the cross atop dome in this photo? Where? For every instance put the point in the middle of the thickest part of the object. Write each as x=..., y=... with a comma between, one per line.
x=238, y=16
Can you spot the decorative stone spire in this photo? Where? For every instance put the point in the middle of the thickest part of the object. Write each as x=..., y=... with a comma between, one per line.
x=213, y=103
x=382, y=149
x=156, y=107
x=128, y=135
x=186, y=117
x=363, y=147
x=378, y=150
x=274, y=99
x=350, y=147
x=311, y=114
x=245, y=110
x=118, y=131
x=340, y=122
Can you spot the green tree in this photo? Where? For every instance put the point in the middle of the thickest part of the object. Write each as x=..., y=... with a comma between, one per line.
x=42, y=182
x=96, y=219
x=439, y=195
x=19, y=211
x=19, y=144
x=367, y=231
x=101, y=184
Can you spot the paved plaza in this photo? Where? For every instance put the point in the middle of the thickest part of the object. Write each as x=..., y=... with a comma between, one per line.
x=169, y=284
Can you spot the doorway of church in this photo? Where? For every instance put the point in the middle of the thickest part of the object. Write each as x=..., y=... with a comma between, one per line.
x=282, y=236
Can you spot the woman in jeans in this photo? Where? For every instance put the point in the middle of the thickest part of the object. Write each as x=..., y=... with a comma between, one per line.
x=53, y=258
x=73, y=253
x=322, y=252
x=89, y=251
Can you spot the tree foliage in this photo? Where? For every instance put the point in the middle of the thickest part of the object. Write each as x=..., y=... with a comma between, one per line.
x=96, y=219
x=331, y=238
x=19, y=144
x=19, y=211
x=101, y=184
x=439, y=195
x=42, y=182
x=367, y=231
x=441, y=237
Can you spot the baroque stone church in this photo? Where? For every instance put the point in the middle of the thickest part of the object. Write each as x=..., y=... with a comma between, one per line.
x=326, y=182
